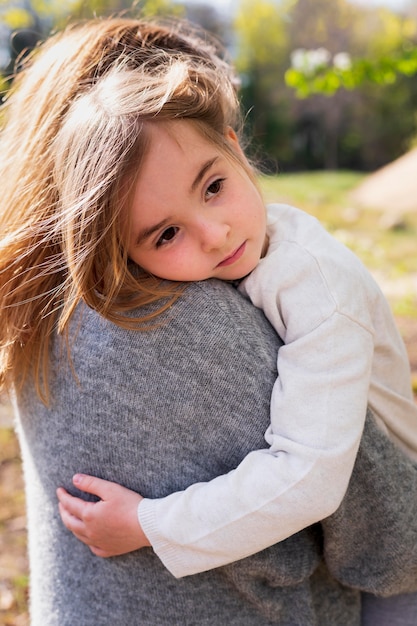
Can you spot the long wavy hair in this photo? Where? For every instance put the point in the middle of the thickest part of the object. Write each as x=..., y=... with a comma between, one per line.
x=74, y=136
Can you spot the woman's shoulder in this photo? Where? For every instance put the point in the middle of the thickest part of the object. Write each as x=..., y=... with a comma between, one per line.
x=207, y=314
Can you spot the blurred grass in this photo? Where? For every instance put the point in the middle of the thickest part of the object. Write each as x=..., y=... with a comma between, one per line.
x=311, y=191
x=386, y=244
x=388, y=249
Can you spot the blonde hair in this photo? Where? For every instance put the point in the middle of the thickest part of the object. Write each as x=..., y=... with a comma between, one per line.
x=75, y=135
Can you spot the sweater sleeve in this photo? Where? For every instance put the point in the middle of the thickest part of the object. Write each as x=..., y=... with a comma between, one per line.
x=314, y=294
x=317, y=414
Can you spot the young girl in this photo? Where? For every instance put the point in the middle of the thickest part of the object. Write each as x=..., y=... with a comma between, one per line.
x=145, y=166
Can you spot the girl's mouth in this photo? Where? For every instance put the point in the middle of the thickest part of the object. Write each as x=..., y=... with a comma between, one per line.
x=235, y=256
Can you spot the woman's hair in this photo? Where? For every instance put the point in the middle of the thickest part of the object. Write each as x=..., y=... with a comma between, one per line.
x=74, y=137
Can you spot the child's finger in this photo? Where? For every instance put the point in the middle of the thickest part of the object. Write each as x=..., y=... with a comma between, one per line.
x=72, y=505
x=75, y=525
x=91, y=484
x=79, y=530
x=104, y=554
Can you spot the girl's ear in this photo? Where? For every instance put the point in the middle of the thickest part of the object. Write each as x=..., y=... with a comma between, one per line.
x=232, y=138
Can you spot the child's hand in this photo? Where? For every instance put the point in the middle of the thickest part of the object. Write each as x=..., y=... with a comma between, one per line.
x=109, y=527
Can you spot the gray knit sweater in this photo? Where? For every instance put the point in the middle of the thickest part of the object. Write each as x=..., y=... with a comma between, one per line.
x=157, y=411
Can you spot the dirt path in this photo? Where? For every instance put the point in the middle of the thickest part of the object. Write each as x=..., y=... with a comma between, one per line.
x=392, y=188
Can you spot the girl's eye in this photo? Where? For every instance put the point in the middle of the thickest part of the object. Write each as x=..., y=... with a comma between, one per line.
x=214, y=188
x=167, y=235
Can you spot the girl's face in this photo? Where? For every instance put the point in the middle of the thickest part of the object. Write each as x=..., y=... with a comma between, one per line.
x=195, y=214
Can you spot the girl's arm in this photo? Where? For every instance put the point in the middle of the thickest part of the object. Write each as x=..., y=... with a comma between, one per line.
x=275, y=492
x=299, y=480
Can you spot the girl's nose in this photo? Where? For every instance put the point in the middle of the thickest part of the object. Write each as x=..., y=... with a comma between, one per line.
x=214, y=235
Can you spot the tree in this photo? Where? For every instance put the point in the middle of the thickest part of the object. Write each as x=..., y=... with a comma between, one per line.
x=314, y=72
x=261, y=57
x=372, y=71
x=25, y=22
x=88, y=8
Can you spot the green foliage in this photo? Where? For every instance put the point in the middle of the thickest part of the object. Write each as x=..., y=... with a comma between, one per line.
x=3, y=85
x=45, y=14
x=41, y=14
x=88, y=8
x=261, y=32
x=16, y=17
x=31, y=20
x=363, y=53
x=161, y=7
x=327, y=80
x=262, y=44
x=380, y=48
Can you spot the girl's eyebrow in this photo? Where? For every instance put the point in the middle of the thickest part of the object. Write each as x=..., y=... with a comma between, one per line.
x=145, y=233
x=202, y=171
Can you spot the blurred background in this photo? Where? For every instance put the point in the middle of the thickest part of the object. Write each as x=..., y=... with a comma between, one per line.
x=368, y=44
x=329, y=91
